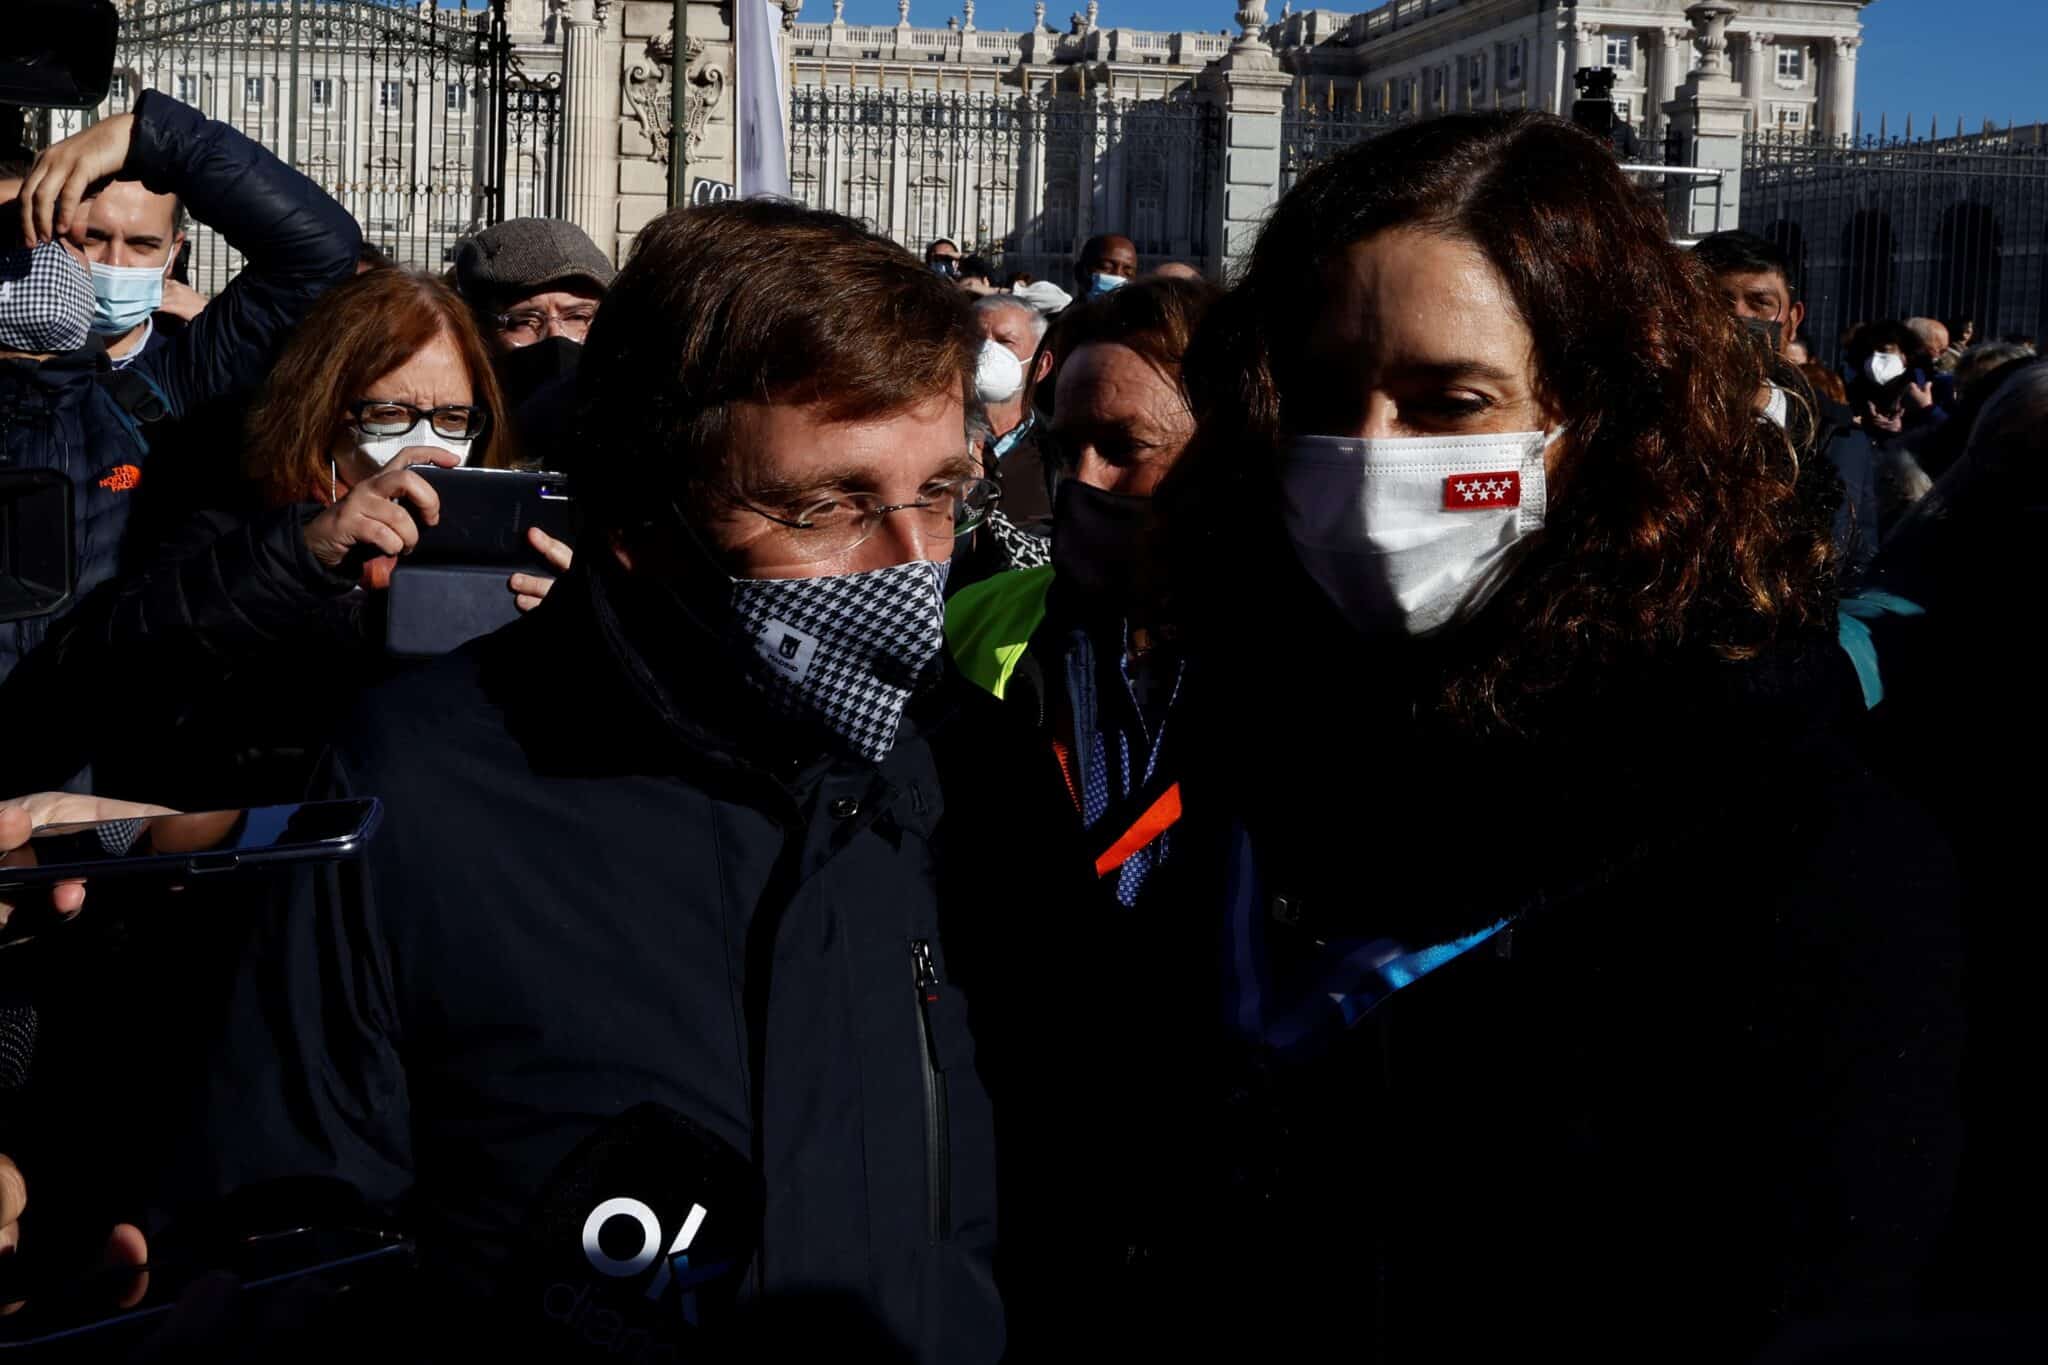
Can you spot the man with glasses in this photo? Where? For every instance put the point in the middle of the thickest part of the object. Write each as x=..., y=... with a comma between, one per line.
x=680, y=836
x=531, y=280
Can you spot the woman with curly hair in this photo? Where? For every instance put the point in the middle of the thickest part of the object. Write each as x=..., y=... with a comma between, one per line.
x=1583, y=993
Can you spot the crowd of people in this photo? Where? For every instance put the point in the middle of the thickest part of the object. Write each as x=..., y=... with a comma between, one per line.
x=1434, y=801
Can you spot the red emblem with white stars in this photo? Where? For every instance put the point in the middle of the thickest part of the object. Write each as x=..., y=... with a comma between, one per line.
x=1470, y=492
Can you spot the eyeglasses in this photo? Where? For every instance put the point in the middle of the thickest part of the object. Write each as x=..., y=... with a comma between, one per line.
x=456, y=421
x=524, y=326
x=838, y=525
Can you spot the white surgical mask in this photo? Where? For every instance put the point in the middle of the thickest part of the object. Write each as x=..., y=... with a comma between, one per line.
x=381, y=450
x=1884, y=367
x=1098, y=285
x=998, y=375
x=124, y=296
x=1410, y=535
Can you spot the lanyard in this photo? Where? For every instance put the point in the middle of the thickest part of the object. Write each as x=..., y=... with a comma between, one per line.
x=1348, y=979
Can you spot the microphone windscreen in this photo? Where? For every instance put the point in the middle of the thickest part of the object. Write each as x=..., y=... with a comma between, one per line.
x=17, y=1045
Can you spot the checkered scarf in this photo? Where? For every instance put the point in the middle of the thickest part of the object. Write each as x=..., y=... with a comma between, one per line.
x=46, y=300
x=847, y=651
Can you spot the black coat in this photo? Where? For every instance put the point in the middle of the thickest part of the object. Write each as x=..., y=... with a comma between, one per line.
x=1706, y=1080
x=62, y=414
x=233, y=644
x=607, y=876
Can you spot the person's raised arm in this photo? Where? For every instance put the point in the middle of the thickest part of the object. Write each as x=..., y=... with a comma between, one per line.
x=296, y=241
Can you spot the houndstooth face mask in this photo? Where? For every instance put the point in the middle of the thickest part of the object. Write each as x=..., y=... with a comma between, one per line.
x=846, y=651
x=46, y=300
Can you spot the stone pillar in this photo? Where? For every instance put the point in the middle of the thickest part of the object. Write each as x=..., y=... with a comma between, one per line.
x=585, y=84
x=1842, y=86
x=1759, y=54
x=1251, y=87
x=650, y=73
x=1674, y=64
x=1582, y=48
x=1706, y=126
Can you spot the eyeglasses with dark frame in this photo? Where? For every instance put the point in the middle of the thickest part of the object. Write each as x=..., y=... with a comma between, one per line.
x=524, y=326
x=384, y=417
x=838, y=525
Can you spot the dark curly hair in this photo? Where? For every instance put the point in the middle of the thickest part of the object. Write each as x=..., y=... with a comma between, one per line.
x=1676, y=516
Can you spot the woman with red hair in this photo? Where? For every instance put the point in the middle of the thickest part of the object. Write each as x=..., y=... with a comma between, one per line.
x=209, y=655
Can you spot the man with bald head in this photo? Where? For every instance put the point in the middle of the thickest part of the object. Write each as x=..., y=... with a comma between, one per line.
x=1107, y=262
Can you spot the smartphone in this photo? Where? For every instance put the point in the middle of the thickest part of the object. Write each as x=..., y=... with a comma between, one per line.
x=195, y=844
x=486, y=513
x=110, y=1309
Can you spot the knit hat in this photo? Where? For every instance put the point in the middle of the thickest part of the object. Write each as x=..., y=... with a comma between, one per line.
x=524, y=256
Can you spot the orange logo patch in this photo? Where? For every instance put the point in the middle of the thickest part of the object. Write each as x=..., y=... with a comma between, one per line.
x=121, y=478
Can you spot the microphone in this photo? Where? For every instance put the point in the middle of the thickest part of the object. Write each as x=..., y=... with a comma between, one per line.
x=17, y=1046
x=638, y=1244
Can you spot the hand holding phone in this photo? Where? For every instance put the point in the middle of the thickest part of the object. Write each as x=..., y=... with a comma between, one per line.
x=20, y=817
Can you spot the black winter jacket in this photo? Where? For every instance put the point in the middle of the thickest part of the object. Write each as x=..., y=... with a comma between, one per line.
x=1705, y=1083
x=234, y=638
x=607, y=876
x=61, y=414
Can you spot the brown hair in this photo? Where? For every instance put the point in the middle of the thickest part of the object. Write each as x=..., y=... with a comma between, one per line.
x=362, y=328
x=758, y=300
x=1825, y=382
x=1677, y=517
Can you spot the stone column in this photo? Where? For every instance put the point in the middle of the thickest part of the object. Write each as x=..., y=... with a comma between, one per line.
x=583, y=122
x=1674, y=64
x=1842, y=86
x=1252, y=88
x=1706, y=126
x=1759, y=53
x=1582, y=48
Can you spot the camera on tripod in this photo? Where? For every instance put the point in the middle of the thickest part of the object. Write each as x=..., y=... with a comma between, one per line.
x=1593, y=110
x=54, y=54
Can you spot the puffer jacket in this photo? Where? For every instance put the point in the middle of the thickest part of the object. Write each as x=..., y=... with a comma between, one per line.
x=64, y=413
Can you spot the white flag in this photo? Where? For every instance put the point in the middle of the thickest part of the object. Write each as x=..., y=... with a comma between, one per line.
x=763, y=99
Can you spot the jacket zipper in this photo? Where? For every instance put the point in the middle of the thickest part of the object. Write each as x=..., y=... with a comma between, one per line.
x=937, y=1143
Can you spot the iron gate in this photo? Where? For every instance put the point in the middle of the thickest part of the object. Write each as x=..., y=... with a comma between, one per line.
x=418, y=120
x=1952, y=228
x=1019, y=177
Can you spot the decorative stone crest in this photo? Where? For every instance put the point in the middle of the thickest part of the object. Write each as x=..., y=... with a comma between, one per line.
x=650, y=90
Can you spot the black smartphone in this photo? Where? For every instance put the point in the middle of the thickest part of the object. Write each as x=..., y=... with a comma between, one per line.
x=86, y=1317
x=194, y=844
x=486, y=513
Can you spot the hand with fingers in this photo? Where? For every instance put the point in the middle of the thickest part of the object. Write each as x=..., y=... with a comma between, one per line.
x=23, y=815
x=373, y=518
x=64, y=173
x=182, y=301
x=126, y=1246
x=529, y=588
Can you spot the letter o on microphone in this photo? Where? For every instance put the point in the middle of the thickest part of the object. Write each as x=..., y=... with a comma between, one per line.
x=650, y=1237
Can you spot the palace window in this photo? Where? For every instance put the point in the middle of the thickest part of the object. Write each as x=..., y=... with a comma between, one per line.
x=1621, y=52
x=1791, y=64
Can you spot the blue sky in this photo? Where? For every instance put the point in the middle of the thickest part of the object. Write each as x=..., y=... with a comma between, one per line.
x=1976, y=58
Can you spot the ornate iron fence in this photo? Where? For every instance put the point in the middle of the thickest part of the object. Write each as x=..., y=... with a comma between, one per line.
x=417, y=119
x=1309, y=133
x=1949, y=228
x=1021, y=178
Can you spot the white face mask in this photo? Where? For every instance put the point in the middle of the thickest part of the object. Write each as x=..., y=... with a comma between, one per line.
x=381, y=450
x=1099, y=284
x=1884, y=367
x=1411, y=535
x=998, y=375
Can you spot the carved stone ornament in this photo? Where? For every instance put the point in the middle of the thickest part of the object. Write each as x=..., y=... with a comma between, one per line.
x=1710, y=34
x=790, y=9
x=650, y=86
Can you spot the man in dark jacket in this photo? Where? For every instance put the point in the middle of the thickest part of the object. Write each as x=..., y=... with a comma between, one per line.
x=70, y=410
x=1756, y=279
x=677, y=836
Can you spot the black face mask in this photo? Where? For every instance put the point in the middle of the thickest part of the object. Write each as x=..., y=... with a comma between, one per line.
x=1771, y=330
x=1099, y=544
x=526, y=370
